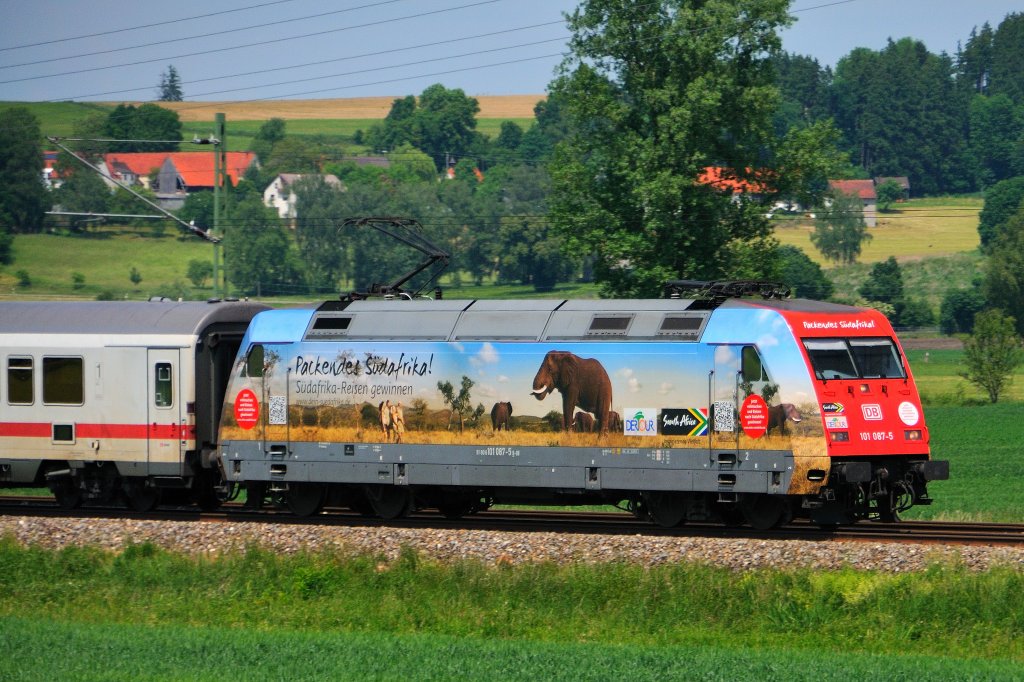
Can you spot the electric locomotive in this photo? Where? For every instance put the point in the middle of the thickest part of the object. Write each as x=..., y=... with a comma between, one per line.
x=116, y=401
x=704, y=406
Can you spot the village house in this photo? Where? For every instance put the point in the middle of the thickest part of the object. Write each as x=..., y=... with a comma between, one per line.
x=863, y=190
x=901, y=180
x=173, y=175
x=280, y=194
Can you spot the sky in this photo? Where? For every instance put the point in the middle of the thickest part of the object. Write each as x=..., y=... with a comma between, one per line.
x=112, y=50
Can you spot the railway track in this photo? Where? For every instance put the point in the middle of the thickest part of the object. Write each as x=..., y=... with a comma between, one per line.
x=552, y=521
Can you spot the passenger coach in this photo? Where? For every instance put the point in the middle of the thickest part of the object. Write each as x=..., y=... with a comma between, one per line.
x=108, y=400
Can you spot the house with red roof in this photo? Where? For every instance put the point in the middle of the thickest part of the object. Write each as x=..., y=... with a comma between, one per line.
x=863, y=190
x=726, y=180
x=174, y=175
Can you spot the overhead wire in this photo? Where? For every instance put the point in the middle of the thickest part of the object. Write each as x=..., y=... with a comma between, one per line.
x=276, y=22
x=143, y=26
x=256, y=44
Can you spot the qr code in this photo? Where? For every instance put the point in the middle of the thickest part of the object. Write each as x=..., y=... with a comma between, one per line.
x=278, y=410
x=725, y=416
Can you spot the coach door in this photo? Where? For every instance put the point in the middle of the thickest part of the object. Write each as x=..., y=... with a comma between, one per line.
x=164, y=426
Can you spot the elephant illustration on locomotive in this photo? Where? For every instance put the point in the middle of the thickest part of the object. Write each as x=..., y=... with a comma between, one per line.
x=383, y=382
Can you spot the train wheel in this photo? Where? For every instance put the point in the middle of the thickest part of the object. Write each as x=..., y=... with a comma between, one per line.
x=389, y=502
x=766, y=511
x=67, y=494
x=666, y=509
x=306, y=499
x=140, y=497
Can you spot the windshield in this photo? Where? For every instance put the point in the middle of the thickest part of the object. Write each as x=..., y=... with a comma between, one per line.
x=854, y=359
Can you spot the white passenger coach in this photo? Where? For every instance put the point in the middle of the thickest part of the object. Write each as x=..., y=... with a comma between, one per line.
x=109, y=401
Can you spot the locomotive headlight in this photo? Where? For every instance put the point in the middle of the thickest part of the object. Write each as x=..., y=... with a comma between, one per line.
x=913, y=434
x=864, y=388
x=840, y=436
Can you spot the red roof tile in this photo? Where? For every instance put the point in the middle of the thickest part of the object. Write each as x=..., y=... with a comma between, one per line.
x=725, y=179
x=195, y=168
x=865, y=189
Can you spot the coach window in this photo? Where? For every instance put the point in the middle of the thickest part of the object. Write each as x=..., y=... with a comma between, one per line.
x=19, y=381
x=63, y=381
x=164, y=393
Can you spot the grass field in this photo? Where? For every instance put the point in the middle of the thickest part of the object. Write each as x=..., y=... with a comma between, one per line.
x=325, y=117
x=147, y=614
x=240, y=133
x=912, y=231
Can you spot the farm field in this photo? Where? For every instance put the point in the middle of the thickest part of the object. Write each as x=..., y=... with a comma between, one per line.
x=491, y=106
x=913, y=230
x=148, y=614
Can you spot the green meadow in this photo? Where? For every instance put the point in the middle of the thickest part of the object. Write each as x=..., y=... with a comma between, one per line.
x=147, y=614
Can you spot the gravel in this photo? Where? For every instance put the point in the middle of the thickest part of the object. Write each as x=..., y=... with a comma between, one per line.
x=501, y=548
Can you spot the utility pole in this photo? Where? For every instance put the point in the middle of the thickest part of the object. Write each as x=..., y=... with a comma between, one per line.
x=219, y=200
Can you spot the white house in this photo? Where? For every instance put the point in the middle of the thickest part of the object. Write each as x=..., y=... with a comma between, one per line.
x=281, y=195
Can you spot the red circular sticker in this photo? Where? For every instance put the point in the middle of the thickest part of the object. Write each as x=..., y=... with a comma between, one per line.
x=247, y=409
x=754, y=416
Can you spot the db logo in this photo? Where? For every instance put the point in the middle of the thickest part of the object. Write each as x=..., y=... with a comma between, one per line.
x=872, y=412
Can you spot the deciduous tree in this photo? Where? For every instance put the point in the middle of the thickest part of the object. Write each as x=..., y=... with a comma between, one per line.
x=839, y=229
x=991, y=353
x=654, y=93
x=1004, y=270
x=23, y=198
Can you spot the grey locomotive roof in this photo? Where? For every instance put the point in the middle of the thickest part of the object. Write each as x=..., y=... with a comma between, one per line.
x=120, y=317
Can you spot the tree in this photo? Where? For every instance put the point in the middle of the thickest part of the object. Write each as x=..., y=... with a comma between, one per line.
x=804, y=87
x=198, y=210
x=1008, y=58
x=322, y=250
x=1002, y=200
x=1004, y=270
x=270, y=133
x=991, y=353
x=839, y=229
x=23, y=198
x=199, y=271
x=460, y=403
x=170, y=86
x=884, y=283
x=802, y=274
x=146, y=122
x=82, y=191
x=917, y=129
x=974, y=61
x=445, y=123
x=958, y=309
x=997, y=125
x=889, y=192
x=257, y=250
x=654, y=93
x=135, y=276
x=6, y=246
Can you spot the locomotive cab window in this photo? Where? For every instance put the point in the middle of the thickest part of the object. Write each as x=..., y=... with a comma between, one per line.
x=163, y=391
x=19, y=381
x=877, y=359
x=862, y=358
x=63, y=381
